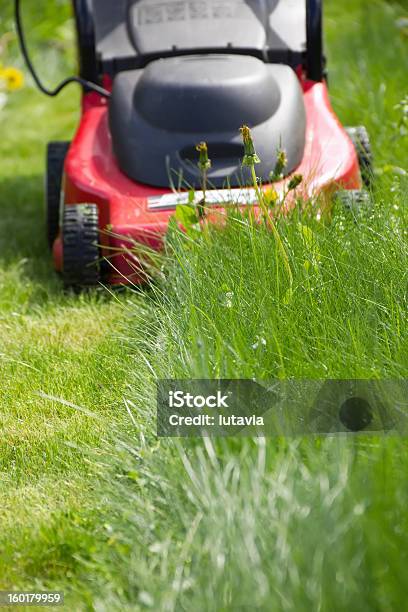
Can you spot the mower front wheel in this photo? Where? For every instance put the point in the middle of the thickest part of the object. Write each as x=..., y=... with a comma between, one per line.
x=80, y=236
x=361, y=140
x=56, y=154
x=354, y=200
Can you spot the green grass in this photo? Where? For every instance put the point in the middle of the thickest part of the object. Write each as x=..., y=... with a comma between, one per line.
x=51, y=343
x=123, y=521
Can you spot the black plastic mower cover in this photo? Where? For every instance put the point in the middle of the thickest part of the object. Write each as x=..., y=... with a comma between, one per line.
x=158, y=114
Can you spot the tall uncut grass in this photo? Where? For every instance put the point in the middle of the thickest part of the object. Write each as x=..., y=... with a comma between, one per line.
x=295, y=524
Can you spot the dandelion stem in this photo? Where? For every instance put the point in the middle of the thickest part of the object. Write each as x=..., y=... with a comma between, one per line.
x=250, y=159
x=204, y=164
x=204, y=186
x=272, y=226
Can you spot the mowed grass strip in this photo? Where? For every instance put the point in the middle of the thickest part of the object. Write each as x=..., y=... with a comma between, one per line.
x=51, y=344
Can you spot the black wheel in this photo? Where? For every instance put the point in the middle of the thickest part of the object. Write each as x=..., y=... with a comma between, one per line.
x=361, y=141
x=354, y=200
x=314, y=34
x=80, y=237
x=56, y=154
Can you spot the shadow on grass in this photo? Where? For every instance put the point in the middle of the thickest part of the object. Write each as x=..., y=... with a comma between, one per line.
x=22, y=227
x=25, y=258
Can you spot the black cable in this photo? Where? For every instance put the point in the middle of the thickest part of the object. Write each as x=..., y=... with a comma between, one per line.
x=49, y=92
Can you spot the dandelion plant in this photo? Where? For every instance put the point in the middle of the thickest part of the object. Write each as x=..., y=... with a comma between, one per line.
x=204, y=164
x=281, y=163
x=250, y=159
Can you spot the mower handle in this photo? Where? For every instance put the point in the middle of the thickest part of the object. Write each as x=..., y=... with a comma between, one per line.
x=314, y=38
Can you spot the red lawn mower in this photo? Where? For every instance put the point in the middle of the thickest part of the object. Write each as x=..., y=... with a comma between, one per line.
x=158, y=77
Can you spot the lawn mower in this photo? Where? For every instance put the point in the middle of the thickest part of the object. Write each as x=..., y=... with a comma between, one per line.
x=160, y=76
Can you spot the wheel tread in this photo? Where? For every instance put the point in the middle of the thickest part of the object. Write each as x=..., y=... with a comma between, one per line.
x=80, y=245
x=361, y=141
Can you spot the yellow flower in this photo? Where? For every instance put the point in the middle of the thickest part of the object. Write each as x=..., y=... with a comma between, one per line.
x=12, y=77
x=271, y=196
